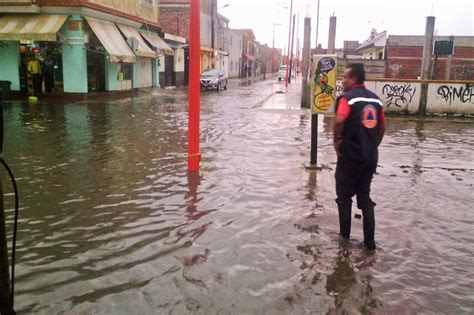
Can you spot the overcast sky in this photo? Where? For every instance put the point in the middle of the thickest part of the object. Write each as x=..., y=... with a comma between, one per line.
x=355, y=19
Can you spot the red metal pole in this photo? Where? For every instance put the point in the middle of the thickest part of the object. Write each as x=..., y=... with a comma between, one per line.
x=289, y=37
x=194, y=153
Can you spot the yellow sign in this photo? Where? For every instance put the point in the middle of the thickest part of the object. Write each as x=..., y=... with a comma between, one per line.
x=323, y=92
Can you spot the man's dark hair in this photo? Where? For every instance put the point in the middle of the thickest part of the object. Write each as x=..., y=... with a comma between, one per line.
x=357, y=72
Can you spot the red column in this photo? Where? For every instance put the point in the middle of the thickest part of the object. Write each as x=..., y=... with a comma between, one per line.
x=194, y=154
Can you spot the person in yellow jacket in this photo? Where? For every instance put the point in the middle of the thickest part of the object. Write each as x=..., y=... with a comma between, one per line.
x=34, y=69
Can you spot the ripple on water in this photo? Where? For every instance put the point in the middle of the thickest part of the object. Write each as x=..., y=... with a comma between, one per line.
x=112, y=223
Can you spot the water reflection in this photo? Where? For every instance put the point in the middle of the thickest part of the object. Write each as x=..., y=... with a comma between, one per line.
x=192, y=211
x=340, y=281
x=350, y=283
x=418, y=157
x=112, y=223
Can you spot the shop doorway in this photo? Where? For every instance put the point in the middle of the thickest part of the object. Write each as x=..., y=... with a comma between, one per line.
x=170, y=79
x=95, y=71
x=186, y=66
x=48, y=54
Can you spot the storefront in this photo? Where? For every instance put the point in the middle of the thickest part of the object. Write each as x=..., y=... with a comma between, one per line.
x=175, y=69
x=165, y=50
x=88, y=54
x=24, y=39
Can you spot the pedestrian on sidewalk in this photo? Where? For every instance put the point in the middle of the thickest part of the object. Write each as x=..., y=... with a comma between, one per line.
x=359, y=128
x=34, y=69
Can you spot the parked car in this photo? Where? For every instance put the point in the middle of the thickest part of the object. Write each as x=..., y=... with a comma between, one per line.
x=213, y=79
x=282, y=72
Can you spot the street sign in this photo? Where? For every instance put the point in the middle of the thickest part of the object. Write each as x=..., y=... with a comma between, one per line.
x=323, y=86
x=443, y=47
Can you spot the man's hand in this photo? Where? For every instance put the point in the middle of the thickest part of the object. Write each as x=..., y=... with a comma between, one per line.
x=337, y=131
x=337, y=146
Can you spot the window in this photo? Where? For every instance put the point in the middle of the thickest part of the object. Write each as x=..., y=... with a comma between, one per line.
x=231, y=65
x=148, y=3
x=125, y=71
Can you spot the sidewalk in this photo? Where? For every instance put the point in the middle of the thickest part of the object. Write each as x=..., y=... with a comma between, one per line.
x=61, y=97
x=286, y=98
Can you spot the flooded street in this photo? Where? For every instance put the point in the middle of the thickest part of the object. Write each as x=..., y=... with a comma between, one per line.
x=111, y=223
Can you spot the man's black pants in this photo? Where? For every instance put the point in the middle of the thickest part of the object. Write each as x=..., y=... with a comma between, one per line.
x=353, y=178
x=37, y=83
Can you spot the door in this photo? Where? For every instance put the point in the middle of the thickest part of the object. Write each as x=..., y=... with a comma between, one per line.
x=144, y=79
x=170, y=79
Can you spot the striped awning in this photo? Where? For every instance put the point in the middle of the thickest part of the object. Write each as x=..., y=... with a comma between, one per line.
x=37, y=27
x=142, y=50
x=157, y=42
x=113, y=42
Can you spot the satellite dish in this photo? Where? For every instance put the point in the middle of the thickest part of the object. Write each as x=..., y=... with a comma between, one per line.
x=132, y=42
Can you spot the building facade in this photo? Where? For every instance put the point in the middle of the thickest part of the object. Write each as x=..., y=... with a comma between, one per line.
x=174, y=17
x=230, y=41
x=374, y=47
x=404, y=56
x=95, y=45
x=249, y=49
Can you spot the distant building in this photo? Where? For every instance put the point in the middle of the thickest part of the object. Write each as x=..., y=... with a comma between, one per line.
x=230, y=41
x=374, y=47
x=249, y=50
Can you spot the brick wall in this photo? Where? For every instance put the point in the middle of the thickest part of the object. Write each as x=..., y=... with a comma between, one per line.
x=123, y=10
x=374, y=69
x=404, y=62
x=175, y=22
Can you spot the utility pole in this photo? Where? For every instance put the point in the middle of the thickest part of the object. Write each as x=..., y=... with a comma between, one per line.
x=289, y=37
x=306, y=52
x=314, y=118
x=194, y=153
x=317, y=26
x=273, y=47
x=332, y=35
x=291, y=51
x=425, y=63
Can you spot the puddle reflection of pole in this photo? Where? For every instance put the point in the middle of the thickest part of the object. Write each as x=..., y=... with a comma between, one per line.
x=194, y=179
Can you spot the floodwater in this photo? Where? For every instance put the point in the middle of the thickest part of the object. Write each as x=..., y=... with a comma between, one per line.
x=111, y=223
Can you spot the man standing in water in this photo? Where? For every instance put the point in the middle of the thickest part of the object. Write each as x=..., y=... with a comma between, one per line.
x=359, y=128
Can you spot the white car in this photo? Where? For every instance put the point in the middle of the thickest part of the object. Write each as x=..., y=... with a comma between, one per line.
x=282, y=72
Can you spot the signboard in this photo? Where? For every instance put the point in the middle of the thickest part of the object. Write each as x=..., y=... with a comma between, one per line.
x=323, y=86
x=443, y=47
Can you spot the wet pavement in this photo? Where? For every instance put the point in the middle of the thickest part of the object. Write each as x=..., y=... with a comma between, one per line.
x=111, y=223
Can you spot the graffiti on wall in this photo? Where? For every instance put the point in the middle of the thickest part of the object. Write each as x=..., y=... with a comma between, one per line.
x=396, y=69
x=464, y=94
x=398, y=95
x=339, y=88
